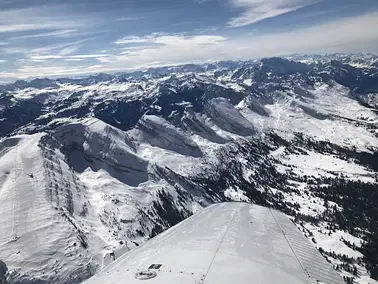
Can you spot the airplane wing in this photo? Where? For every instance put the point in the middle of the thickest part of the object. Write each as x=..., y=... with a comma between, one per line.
x=224, y=244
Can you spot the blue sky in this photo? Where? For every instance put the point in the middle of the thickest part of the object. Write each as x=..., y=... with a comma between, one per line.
x=40, y=38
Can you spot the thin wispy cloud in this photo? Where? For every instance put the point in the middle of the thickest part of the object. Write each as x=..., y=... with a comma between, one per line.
x=12, y=50
x=151, y=38
x=7, y=28
x=132, y=39
x=66, y=56
x=83, y=56
x=127, y=19
x=258, y=10
x=73, y=59
x=33, y=19
x=47, y=53
x=59, y=49
x=56, y=33
x=11, y=28
x=69, y=50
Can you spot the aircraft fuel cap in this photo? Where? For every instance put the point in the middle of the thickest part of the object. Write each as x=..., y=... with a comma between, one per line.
x=145, y=275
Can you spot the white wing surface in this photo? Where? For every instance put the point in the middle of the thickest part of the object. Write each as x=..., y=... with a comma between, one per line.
x=224, y=244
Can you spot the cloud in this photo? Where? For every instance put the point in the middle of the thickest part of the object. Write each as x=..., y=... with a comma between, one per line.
x=53, y=24
x=74, y=59
x=132, y=45
x=27, y=71
x=22, y=27
x=9, y=50
x=343, y=35
x=67, y=57
x=69, y=50
x=3, y=43
x=127, y=19
x=2, y=61
x=60, y=49
x=104, y=59
x=339, y=36
x=84, y=56
x=137, y=39
x=258, y=10
x=48, y=52
x=56, y=33
x=34, y=19
x=131, y=39
x=172, y=48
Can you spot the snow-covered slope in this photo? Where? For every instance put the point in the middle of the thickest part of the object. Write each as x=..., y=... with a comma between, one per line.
x=98, y=165
x=37, y=240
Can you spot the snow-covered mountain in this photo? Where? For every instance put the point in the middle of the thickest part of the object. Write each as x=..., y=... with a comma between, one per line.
x=99, y=164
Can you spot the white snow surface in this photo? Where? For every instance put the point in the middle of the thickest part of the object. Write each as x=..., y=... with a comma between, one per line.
x=287, y=117
x=317, y=164
x=35, y=241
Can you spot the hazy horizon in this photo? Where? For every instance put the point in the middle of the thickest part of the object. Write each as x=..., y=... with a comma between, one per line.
x=65, y=38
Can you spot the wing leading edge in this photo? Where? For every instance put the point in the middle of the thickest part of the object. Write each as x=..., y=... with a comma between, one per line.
x=222, y=244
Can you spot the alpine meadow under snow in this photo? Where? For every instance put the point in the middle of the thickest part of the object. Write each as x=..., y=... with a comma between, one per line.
x=95, y=165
